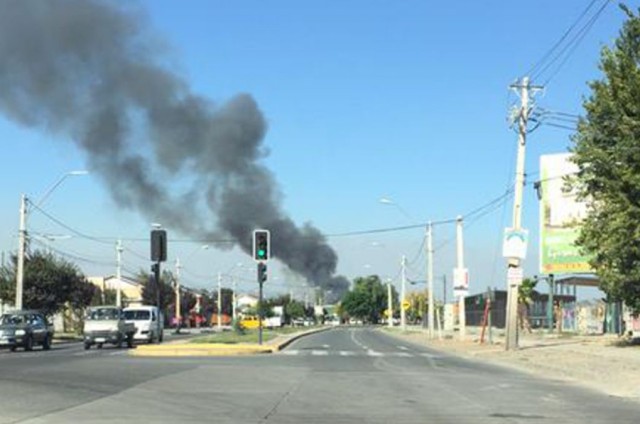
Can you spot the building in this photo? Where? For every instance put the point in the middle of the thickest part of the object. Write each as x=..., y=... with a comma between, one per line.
x=131, y=289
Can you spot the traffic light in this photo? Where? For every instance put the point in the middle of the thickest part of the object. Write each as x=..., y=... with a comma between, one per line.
x=158, y=245
x=261, y=248
x=262, y=272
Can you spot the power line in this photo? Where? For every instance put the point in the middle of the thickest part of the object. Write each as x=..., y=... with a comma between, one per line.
x=572, y=44
x=559, y=42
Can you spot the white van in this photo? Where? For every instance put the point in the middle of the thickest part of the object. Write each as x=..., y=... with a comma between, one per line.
x=148, y=322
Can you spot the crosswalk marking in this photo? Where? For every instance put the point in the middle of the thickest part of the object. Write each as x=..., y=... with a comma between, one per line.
x=347, y=353
x=319, y=352
x=403, y=348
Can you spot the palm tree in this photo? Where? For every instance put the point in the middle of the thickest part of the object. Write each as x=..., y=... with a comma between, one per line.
x=525, y=298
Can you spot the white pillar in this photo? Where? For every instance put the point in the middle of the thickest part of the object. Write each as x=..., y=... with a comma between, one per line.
x=403, y=315
x=119, y=273
x=389, y=303
x=460, y=265
x=219, y=301
x=430, y=278
x=22, y=241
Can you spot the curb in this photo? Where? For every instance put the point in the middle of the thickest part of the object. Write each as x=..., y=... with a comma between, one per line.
x=217, y=349
x=295, y=337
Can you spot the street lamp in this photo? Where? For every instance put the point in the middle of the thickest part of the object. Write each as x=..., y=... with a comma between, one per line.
x=22, y=232
x=389, y=202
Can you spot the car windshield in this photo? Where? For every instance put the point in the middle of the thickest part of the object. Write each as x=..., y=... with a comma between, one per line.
x=137, y=315
x=103, y=314
x=12, y=319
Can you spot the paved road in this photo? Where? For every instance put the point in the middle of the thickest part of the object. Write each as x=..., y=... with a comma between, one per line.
x=345, y=375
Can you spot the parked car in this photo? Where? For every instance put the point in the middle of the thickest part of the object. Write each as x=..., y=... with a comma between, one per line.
x=148, y=322
x=25, y=329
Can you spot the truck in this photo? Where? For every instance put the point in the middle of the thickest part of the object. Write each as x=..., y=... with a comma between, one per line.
x=106, y=324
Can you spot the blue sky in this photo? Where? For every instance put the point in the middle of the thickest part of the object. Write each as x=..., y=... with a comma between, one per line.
x=364, y=99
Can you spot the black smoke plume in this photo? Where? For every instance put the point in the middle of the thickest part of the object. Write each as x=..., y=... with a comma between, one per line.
x=92, y=71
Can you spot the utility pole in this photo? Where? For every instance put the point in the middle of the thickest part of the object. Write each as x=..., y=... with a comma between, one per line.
x=119, y=273
x=177, y=294
x=22, y=241
x=234, y=299
x=512, y=289
x=219, y=301
x=444, y=289
x=430, y=278
x=460, y=265
x=389, y=304
x=403, y=315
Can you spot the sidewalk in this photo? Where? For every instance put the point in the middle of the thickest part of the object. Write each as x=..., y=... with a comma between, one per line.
x=180, y=348
x=604, y=363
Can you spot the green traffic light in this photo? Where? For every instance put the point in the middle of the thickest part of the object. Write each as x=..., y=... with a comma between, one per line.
x=261, y=253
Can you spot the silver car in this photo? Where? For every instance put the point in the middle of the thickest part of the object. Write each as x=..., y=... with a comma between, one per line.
x=25, y=329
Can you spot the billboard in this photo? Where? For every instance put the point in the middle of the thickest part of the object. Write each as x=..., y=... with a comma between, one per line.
x=560, y=217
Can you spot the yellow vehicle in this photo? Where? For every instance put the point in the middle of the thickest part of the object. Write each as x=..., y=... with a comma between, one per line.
x=250, y=322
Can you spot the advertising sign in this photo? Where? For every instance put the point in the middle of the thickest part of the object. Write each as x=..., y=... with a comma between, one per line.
x=460, y=282
x=515, y=243
x=560, y=217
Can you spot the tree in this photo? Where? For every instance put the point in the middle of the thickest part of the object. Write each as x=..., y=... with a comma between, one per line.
x=150, y=290
x=607, y=152
x=49, y=283
x=368, y=299
x=294, y=310
x=526, y=291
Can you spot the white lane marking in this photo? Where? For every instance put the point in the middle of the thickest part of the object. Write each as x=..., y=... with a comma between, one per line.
x=289, y=352
x=429, y=355
x=319, y=352
x=357, y=342
x=347, y=353
x=374, y=353
x=118, y=353
x=402, y=354
x=403, y=348
x=85, y=353
x=325, y=346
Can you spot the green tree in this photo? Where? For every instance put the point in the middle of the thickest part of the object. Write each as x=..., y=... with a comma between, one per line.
x=294, y=310
x=368, y=299
x=50, y=283
x=607, y=152
x=150, y=290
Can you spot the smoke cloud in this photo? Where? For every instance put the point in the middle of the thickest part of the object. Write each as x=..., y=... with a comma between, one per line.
x=92, y=71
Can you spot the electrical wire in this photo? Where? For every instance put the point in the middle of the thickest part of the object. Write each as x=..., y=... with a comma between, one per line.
x=579, y=39
x=561, y=40
x=570, y=46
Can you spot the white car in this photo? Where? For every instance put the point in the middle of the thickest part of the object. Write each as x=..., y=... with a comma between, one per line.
x=148, y=322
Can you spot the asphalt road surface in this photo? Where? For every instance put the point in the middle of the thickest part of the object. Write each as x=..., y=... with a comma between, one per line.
x=345, y=375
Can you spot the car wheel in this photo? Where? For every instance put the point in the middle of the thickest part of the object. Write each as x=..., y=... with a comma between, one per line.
x=87, y=346
x=46, y=344
x=99, y=345
x=13, y=348
x=28, y=344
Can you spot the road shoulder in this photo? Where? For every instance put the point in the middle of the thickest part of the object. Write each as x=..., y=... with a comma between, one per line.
x=599, y=363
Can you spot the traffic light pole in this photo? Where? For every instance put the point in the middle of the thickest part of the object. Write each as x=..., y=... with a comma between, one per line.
x=156, y=277
x=260, y=314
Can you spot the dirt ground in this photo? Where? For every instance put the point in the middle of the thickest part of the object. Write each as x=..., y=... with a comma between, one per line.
x=603, y=363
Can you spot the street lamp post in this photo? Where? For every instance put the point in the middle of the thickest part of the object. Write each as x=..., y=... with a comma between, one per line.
x=22, y=233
